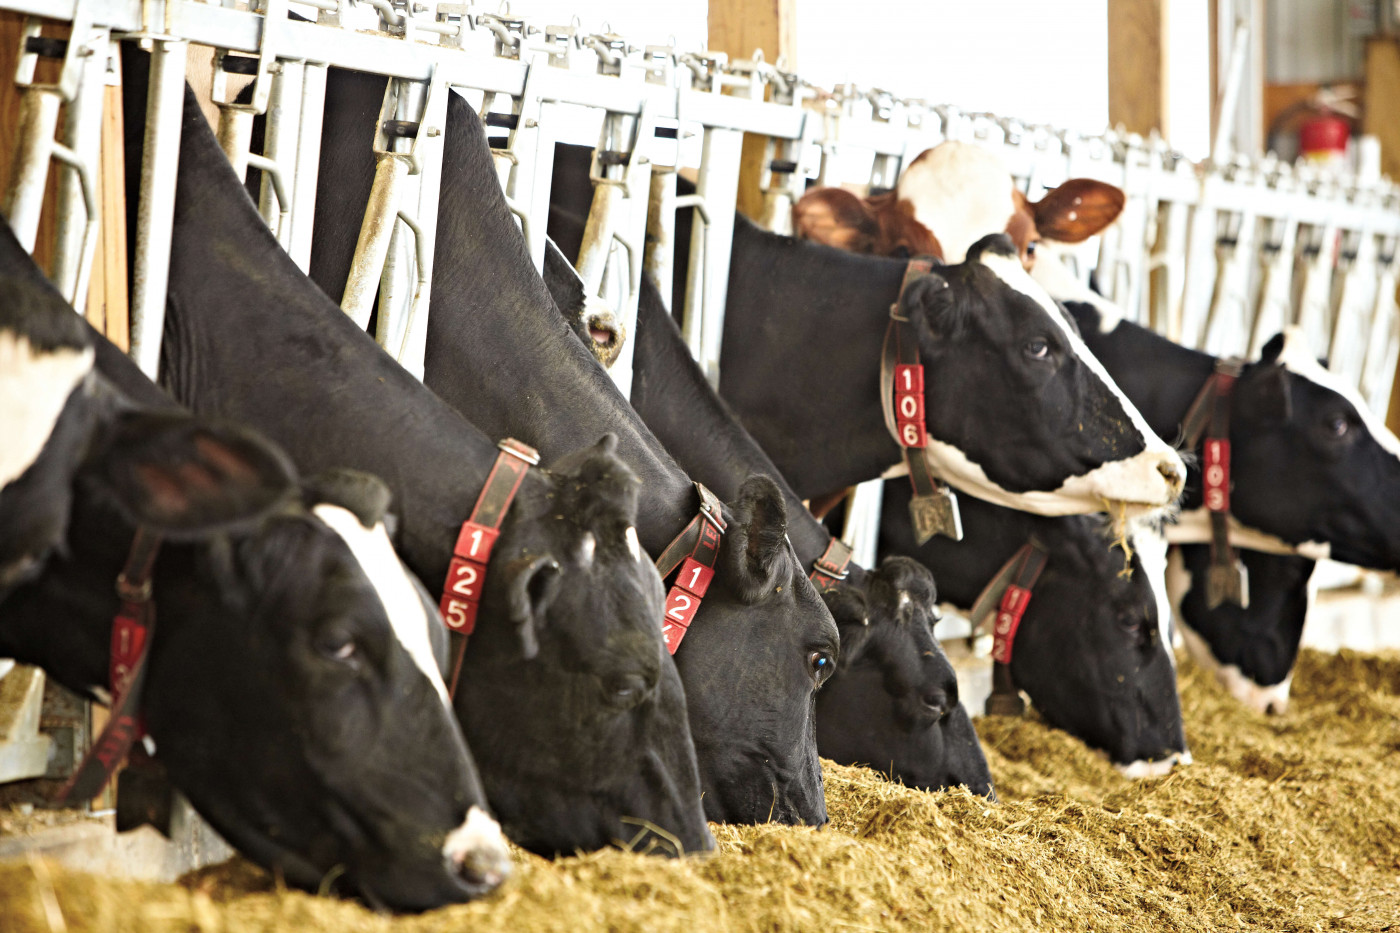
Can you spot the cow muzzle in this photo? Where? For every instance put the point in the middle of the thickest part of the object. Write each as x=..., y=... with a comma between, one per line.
x=478, y=853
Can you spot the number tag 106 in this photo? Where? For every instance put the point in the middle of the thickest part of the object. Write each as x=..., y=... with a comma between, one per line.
x=909, y=405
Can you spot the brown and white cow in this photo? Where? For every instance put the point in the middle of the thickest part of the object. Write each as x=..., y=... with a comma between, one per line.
x=963, y=191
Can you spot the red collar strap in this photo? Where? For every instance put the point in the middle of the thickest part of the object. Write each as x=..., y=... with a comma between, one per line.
x=466, y=574
x=832, y=567
x=934, y=507
x=696, y=552
x=1209, y=416
x=132, y=630
x=1009, y=593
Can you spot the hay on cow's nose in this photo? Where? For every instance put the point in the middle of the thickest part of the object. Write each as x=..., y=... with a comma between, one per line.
x=1283, y=823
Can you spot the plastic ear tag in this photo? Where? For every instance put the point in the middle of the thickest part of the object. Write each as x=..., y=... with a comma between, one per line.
x=1227, y=583
x=936, y=514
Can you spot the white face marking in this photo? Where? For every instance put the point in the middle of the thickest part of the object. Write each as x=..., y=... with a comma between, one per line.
x=1137, y=478
x=1298, y=359
x=634, y=547
x=1150, y=546
x=1057, y=280
x=587, y=545
x=1151, y=769
x=1193, y=527
x=1272, y=699
x=34, y=387
x=402, y=604
x=479, y=846
x=961, y=192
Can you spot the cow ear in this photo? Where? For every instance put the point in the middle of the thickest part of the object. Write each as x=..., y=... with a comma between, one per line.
x=850, y=608
x=189, y=478
x=1077, y=209
x=928, y=303
x=836, y=217
x=758, y=538
x=532, y=583
x=1270, y=393
x=364, y=495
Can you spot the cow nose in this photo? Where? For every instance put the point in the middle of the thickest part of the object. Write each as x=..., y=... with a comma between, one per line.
x=1174, y=473
x=936, y=703
x=478, y=852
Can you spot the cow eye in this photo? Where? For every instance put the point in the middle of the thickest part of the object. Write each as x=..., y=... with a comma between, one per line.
x=627, y=690
x=1037, y=349
x=1338, y=425
x=821, y=664
x=340, y=648
x=1130, y=623
x=1030, y=250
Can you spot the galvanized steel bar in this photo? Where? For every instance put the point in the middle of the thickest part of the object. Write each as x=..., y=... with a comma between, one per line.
x=155, y=212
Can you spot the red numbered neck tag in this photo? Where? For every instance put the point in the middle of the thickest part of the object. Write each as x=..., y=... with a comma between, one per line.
x=1013, y=606
x=466, y=574
x=1215, y=468
x=695, y=551
x=132, y=629
x=909, y=405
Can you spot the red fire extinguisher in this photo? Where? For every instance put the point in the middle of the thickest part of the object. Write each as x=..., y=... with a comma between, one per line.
x=1322, y=139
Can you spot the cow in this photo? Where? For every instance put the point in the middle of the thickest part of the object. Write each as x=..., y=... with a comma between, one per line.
x=1090, y=650
x=949, y=197
x=872, y=710
x=995, y=349
x=577, y=715
x=291, y=691
x=1310, y=470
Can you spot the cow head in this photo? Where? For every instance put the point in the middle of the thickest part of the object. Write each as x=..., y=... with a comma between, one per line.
x=585, y=665
x=893, y=702
x=1250, y=650
x=1099, y=667
x=290, y=691
x=1019, y=411
x=761, y=646
x=961, y=192
x=1310, y=462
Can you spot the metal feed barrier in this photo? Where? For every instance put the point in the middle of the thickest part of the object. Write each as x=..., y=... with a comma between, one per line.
x=1218, y=255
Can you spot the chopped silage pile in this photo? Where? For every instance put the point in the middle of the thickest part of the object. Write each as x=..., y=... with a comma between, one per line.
x=1287, y=823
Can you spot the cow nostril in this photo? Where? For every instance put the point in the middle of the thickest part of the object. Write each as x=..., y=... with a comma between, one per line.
x=1171, y=471
x=1275, y=708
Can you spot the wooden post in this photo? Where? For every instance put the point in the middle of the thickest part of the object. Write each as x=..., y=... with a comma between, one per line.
x=737, y=28
x=1137, y=65
x=107, y=292
x=11, y=25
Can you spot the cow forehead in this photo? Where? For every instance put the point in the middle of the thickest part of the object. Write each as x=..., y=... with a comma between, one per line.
x=1014, y=276
x=407, y=615
x=34, y=387
x=961, y=192
x=1297, y=357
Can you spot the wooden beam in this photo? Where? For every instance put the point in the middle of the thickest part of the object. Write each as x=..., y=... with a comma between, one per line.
x=1381, y=119
x=11, y=26
x=1137, y=65
x=737, y=28
x=107, y=291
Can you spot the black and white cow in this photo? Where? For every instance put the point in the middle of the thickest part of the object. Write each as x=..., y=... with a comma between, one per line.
x=292, y=692
x=1090, y=651
x=893, y=702
x=1312, y=469
x=1018, y=411
x=762, y=641
x=578, y=715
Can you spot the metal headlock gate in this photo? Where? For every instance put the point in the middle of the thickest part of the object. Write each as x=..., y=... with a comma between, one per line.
x=1218, y=255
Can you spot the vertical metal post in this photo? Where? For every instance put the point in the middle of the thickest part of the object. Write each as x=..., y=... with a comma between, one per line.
x=718, y=184
x=661, y=230
x=308, y=163
x=156, y=210
x=280, y=145
x=373, y=244
x=24, y=198
x=862, y=530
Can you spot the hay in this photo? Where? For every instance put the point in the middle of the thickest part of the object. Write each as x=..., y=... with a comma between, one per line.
x=1289, y=823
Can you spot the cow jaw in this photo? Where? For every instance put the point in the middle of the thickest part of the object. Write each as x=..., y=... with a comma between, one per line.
x=1265, y=700
x=402, y=604
x=34, y=386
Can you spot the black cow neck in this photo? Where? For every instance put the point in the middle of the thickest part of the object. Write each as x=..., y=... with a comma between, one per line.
x=831, y=308
x=492, y=352
x=671, y=394
x=264, y=347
